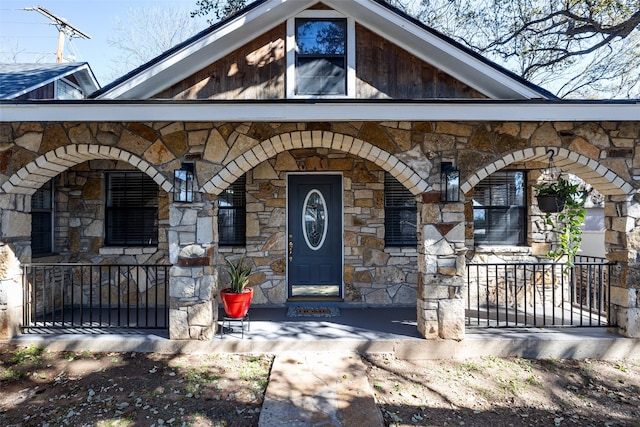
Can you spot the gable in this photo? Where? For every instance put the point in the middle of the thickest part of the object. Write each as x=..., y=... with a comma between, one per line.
x=427, y=64
x=37, y=81
x=257, y=71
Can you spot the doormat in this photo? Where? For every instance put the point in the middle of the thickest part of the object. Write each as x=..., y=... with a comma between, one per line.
x=313, y=312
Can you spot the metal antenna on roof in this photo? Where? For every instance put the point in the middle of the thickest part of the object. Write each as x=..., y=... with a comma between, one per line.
x=64, y=28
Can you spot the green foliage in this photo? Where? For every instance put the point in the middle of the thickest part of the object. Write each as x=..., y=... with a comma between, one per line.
x=221, y=8
x=566, y=224
x=239, y=275
x=28, y=354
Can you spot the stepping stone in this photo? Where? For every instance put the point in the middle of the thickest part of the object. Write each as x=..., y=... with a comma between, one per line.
x=319, y=389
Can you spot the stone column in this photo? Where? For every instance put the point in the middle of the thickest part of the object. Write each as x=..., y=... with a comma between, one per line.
x=15, y=248
x=441, y=267
x=193, y=312
x=622, y=240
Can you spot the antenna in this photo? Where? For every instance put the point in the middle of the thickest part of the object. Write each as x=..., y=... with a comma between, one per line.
x=63, y=28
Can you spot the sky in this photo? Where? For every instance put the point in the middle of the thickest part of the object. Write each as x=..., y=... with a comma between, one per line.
x=28, y=36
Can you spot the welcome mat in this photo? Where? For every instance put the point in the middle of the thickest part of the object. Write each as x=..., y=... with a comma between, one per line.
x=313, y=312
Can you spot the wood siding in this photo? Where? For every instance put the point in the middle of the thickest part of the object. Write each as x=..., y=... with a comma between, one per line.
x=384, y=70
x=256, y=71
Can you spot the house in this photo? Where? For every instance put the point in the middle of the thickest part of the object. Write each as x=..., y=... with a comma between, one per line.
x=312, y=139
x=46, y=81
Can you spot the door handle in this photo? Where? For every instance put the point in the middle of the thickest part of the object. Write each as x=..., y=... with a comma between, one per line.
x=290, y=251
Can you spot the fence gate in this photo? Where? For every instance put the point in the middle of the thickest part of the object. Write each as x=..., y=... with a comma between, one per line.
x=84, y=297
x=539, y=294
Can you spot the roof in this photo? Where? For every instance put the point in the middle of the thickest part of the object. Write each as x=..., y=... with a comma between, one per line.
x=410, y=34
x=18, y=79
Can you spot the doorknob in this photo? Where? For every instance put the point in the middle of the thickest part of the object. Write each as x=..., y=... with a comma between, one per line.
x=290, y=251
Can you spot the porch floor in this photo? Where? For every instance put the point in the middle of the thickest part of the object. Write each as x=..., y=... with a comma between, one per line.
x=362, y=330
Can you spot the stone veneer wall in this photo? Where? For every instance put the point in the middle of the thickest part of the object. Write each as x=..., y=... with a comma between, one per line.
x=79, y=215
x=606, y=153
x=374, y=275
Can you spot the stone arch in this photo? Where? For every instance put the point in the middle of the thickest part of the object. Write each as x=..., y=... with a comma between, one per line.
x=35, y=174
x=600, y=177
x=315, y=139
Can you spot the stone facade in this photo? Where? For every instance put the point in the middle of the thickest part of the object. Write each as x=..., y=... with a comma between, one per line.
x=431, y=275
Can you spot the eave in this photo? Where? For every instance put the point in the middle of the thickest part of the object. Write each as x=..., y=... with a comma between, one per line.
x=317, y=111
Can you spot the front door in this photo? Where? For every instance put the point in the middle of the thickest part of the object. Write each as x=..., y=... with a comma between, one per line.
x=314, y=244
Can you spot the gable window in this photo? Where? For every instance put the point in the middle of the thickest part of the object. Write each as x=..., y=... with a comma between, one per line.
x=67, y=90
x=232, y=213
x=42, y=220
x=499, y=212
x=320, y=55
x=400, y=214
x=131, y=216
x=321, y=63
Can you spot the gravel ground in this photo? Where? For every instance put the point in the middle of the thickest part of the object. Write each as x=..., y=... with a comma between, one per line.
x=43, y=388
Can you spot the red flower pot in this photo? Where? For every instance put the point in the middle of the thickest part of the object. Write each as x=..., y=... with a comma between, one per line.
x=236, y=306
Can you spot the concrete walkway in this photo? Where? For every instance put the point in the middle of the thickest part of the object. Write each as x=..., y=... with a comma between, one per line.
x=319, y=389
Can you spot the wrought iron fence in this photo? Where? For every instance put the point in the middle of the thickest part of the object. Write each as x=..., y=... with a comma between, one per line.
x=539, y=294
x=95, y=296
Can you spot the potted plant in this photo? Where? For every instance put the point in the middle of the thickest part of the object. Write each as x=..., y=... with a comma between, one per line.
x=236, y=298
x=565, y=213
x=552, y=196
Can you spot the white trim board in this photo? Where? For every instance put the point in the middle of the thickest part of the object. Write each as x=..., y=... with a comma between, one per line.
x=94, y=111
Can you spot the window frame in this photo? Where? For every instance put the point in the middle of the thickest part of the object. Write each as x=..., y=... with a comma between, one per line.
x=392, y=234
x=503, y=210
x=291, y=77
x=238, y=237
x=149, y=238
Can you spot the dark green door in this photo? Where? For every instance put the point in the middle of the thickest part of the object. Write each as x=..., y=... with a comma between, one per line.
x=314, y=244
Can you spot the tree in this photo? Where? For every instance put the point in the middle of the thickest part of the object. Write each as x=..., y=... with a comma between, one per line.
x=575, y=48
x=221, y=8
x=148, y=32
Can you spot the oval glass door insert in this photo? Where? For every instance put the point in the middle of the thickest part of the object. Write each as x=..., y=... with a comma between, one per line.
x=314, y=219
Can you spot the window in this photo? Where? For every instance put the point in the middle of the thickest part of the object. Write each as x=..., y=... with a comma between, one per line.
x=320, y=55
x=232, y=214
x=42, y=220
x=499, y=214
x=321, y=63
x=132, y=209
x=400, y=214
x=67, y=90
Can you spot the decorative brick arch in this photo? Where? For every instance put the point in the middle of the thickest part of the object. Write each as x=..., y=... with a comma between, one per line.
x=600, y=177
x=35, y=174
x=314, y=139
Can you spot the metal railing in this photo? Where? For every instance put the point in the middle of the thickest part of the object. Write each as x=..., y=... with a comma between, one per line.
x=539, y=294
x=83, y=296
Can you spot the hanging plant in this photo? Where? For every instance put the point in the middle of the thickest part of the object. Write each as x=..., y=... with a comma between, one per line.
x=565, y=215
x=552, y=196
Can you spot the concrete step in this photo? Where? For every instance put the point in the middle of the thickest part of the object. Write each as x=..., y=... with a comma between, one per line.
x=319, y=389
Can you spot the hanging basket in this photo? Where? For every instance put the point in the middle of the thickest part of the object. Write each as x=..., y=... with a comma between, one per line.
x=551, y=203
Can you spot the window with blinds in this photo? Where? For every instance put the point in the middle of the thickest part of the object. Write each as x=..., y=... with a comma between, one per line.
x=131, y=216
x=400, y=214
x=232, y=214
x=499, y=212
x=42, y=220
